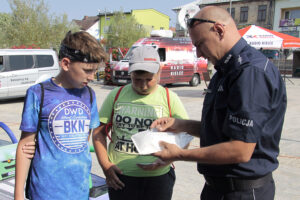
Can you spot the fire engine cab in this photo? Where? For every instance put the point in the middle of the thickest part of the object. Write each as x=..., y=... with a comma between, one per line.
x=178, y=60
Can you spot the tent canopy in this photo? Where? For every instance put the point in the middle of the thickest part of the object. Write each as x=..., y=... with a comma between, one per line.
x=260, y=37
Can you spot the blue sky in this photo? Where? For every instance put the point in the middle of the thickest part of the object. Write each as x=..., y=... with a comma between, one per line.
x=77, y=9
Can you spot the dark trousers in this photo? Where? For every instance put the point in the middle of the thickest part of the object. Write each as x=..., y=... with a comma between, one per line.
x=266, y=192
x=145, y=188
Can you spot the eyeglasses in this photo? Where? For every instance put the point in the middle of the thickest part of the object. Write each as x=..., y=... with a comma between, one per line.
x=191, y=22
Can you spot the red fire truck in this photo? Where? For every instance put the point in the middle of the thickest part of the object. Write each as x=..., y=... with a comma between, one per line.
x=177, y=58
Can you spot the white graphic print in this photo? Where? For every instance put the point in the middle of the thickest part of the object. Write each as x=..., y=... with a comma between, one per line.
x=130, y=119
x=241, y=121
x=69, y=126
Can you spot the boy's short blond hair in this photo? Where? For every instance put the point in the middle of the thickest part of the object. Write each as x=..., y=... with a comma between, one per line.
x=86, y=44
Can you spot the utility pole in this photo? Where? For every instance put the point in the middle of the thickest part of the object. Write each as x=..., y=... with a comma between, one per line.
x=230, y=6
x=102, y=32
x=104, y=19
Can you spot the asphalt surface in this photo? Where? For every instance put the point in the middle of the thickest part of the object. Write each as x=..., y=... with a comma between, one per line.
x=189, y=182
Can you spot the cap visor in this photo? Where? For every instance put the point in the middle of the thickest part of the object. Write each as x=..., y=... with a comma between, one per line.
x=148, y=67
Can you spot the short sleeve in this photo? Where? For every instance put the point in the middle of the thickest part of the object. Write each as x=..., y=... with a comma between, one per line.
x=177, y=108
x=30, y=115
x=94, y=114
x=248, y=105
x=107, y=106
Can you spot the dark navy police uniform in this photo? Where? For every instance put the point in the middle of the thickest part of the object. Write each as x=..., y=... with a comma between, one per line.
x=245, y=101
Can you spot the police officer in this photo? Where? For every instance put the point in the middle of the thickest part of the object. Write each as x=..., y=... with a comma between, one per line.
x=242, y=117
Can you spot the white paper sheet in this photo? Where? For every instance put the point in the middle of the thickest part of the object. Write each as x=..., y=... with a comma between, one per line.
x=147, y=142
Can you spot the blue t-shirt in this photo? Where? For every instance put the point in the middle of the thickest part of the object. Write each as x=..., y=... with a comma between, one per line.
x=62, y=161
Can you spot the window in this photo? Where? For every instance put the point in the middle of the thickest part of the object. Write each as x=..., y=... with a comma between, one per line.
x=162, y=54
x=294, y=14
x=232, y=12
x=287, y=15
x=161, y=28
x=262, y=13
x=105, y=29
x=44, y=61
x=20, y=62
x=1, y=64
x=244, y=14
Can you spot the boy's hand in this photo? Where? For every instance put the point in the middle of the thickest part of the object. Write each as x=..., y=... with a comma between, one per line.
x=29, y=149
x=112, y=179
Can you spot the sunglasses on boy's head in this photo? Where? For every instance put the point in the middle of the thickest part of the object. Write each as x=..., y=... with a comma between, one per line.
x=75, y=55
x=191, y=22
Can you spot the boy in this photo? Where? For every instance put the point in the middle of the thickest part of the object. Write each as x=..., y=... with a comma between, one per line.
x=144, y=100
x=61, y=165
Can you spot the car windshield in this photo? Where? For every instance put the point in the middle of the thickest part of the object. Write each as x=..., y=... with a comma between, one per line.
x=274, y=54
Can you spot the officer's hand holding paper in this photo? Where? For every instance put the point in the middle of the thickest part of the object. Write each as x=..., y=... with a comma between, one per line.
x=147, y=142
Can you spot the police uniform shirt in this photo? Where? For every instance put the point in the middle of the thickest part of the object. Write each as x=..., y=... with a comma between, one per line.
x=246, y=101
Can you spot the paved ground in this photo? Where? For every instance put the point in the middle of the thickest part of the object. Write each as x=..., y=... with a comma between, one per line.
x=189, y=183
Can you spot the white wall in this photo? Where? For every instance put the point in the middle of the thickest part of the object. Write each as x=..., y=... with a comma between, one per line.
x=280, y=4
x=94, y=30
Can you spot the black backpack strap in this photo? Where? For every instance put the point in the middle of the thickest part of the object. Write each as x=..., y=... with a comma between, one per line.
x=91, y=94
x=41, y=107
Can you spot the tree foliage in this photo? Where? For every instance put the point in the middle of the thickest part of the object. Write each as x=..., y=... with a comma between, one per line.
x=30, y=23
x=5, y=20
x=123, y=31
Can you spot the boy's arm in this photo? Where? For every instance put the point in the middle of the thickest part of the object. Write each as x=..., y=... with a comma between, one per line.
x=110, y=170
x=22, y=165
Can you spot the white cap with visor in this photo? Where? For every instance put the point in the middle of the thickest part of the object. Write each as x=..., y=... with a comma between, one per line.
x=144, y=58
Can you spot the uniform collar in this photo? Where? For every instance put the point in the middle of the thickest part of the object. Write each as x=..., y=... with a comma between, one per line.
x=226, y=62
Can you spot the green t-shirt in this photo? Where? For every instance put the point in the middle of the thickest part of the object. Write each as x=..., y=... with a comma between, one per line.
x=134, y=113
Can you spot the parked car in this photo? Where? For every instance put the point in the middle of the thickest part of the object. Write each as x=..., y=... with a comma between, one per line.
x=22, y=68
x=271, y=53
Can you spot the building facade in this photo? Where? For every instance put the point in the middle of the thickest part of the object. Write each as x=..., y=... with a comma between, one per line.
x=287, y=17
x=247, y=12
x=89, y=24
x=150, y=19
x=244, y=12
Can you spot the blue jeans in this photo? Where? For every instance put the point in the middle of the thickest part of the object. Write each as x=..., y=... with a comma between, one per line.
x=145, y=188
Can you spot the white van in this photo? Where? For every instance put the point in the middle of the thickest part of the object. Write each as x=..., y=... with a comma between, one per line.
x=22, y=68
